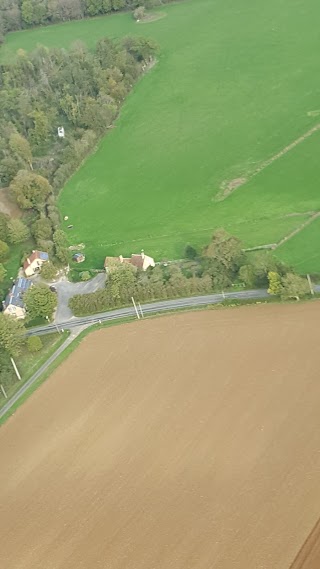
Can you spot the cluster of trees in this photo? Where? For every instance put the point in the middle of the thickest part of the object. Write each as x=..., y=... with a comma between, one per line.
x=19, y=14
x=39, y=302
x=11, y=343
x=288, y=286
x=219, y=265
x=79, y=89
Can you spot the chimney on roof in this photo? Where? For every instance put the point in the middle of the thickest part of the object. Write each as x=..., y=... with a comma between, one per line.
x=28, y=261
x=142, y=253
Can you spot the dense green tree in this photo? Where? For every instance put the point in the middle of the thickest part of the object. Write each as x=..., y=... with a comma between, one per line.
x=4, y=219
x=30, y=190
x=106, y=6
x=225, y=250
x=294, y=286
x=190, y=252
x=17, y=231
x=9, y=167
x=34, y=344
x=41, y=127
x=46, y=245
x=40, y=301
x=118, y=4
x=3, y=273
x=42, y=229
x=247, y=275
x=21, y=148
x=275, y=284
x=61, y=246
x=11, y=335
x=48, y=271
x=4, y=250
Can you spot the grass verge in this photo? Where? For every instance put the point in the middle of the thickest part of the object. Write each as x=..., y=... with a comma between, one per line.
x=29, y=363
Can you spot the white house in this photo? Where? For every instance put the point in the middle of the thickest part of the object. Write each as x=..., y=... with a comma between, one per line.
x=34, y=262
x=13, y=305
x=138, y=260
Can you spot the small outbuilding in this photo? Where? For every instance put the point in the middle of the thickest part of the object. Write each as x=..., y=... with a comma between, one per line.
x=78, y=258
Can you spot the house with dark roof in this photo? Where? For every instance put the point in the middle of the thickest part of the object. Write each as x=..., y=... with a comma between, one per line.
x=34, y=262
x=13, y=305
x=140, y=261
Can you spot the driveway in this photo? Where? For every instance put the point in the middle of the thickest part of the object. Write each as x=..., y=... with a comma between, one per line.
x=66, y=290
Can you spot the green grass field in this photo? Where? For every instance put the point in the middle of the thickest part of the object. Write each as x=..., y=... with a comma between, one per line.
x=234, y=85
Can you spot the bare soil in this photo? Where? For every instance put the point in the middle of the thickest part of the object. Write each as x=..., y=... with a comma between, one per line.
x=185, y=442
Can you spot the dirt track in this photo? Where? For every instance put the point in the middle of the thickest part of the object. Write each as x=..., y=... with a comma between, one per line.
x=186, y=442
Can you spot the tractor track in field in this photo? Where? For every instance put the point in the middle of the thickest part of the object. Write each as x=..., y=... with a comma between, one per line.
x=297, y=230
x=228, y=187
x=309, y=555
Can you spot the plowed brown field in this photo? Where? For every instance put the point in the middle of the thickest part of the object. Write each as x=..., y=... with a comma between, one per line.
x=185, y=442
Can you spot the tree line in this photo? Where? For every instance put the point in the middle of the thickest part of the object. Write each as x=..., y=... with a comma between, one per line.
x=78, y=89
x=21, y=14
x=39, y=302
x=220, y=264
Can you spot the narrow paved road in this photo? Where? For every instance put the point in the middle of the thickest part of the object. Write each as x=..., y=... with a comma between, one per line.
x=149, y=308
x=77, y=325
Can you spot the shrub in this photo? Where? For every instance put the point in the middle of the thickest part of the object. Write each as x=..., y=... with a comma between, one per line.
x=139, y=13
x=85, y=276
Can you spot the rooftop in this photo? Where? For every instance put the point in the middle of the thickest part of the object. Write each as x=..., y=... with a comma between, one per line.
x=35, y=255
x=16, y=293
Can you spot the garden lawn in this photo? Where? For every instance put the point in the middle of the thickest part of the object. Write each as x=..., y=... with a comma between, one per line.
x=234, y=85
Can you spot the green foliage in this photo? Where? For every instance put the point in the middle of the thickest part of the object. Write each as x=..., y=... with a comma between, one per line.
x=34, y=344
x=139, y=13
x=124, y=281
x=42, y=229
x=4, y=226
x=285, y=187
x=294, y=286
x=4, y=250
x=48, y=271
x=247, y=275
x=40, y=301
x=275, y=284
x=3, y=273
x=21, y=148
x=60, y=245
x=11, y=335
x=30, y=190
x=85, y=276
x=223, y=258
x=190, y=252
x=17, y=231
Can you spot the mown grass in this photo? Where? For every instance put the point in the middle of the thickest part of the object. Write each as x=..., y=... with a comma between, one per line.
x=233, y=86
